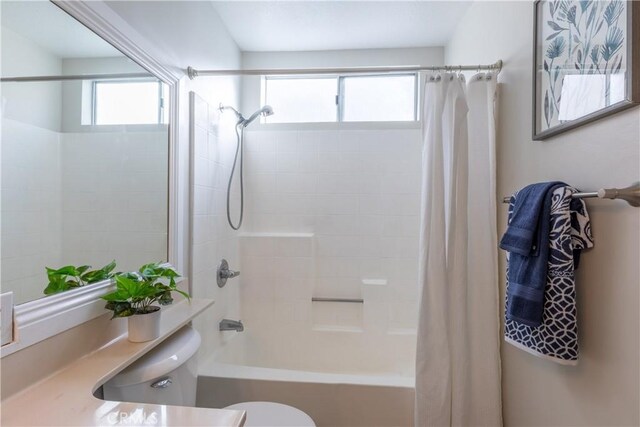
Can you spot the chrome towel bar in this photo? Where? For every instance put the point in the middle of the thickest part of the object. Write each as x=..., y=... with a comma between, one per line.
x=630, y=194
x=351, y=300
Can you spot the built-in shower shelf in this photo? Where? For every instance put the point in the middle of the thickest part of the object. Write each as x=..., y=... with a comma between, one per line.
x=276, y=235
x=374, y=282
x=337, y=328
x=402, y=331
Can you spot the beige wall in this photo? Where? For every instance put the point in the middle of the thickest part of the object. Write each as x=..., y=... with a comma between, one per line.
x=604, y=388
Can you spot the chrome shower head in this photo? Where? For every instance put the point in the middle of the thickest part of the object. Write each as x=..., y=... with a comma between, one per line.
x=223, y=107
x=264, y=112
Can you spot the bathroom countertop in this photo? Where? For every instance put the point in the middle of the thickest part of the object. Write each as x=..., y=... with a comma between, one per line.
x=66, y=397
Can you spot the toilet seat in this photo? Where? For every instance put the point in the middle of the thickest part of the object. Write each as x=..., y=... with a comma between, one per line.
x=261, y=414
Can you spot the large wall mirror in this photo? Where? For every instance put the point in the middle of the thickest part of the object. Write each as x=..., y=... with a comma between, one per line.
x=84, y=151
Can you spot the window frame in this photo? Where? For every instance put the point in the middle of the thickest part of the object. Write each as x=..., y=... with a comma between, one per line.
x=94, y=100
x=340, y=96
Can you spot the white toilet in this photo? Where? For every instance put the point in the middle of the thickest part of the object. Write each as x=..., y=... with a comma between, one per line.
x=168, y=375
x=260, y=414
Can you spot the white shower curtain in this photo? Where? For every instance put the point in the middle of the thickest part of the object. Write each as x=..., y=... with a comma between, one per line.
x=458, y=353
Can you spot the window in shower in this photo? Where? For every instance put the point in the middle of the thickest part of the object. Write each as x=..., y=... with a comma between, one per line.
x=390, y=98
x=299, y=100
x=362, y=98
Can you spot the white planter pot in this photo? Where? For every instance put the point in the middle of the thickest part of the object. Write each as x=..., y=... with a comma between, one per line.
x=144, y=327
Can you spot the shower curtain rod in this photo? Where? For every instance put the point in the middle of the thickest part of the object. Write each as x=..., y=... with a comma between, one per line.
x=193, y=73
x=76, y=77
x=630, y=194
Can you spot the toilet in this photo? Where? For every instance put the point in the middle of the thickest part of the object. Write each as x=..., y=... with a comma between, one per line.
x=168, y=375
x=260, y=414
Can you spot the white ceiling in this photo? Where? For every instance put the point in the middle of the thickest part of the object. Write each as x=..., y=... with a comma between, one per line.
x=327, y=25
x=52, y=29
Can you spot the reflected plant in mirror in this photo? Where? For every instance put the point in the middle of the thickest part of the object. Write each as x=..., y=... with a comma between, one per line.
x=71, y=277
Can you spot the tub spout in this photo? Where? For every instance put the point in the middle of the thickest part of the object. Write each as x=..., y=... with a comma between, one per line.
x=231, y=325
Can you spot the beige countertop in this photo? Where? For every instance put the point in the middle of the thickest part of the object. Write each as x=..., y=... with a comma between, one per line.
x=66, y=397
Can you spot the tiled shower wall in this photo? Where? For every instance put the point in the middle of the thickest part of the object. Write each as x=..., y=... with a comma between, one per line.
x=31, y=219
x=332, y=213
x=63, y=192
x=114, y=192
x=213, y=146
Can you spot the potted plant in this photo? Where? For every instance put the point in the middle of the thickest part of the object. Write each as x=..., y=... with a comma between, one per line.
x=71, y=277
x=135, y=296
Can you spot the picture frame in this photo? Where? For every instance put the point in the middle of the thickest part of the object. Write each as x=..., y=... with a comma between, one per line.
x=586, y=62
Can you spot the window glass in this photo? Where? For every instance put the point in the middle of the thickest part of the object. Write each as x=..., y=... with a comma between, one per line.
x=298, y=100
x=379, y=98
x=127, y=103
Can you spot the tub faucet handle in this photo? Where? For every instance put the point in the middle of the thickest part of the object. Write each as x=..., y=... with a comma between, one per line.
x=225, y=273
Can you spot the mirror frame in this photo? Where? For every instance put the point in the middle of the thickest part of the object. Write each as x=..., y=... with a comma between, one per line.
x=37, y=320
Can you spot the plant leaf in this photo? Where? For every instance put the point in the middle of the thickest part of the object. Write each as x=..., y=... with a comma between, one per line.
x=592, y=15
x=617, y=69
x=555, y=26
x=553, y=36
x=56, y=284
x=546, y=106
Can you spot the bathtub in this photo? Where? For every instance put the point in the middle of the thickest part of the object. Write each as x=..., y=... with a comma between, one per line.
x=329, y=374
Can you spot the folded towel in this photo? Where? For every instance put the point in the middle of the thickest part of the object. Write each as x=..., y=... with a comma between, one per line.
x=523, y=233
x=527, y=240
x=556, y=338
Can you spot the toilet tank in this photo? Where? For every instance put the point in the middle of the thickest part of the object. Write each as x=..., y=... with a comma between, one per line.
x=167, y=375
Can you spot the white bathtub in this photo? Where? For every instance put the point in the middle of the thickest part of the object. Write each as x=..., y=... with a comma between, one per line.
x=329, y=374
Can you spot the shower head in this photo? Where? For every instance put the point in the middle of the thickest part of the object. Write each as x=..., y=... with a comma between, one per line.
x=264, y=112
x=223, y=107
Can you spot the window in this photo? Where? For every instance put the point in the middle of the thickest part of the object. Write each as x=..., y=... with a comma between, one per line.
x=117, y=102
x=379, y=98
x=302, y=100
x=364, y=98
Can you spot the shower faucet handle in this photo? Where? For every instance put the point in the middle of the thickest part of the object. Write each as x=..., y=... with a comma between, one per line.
x=224, y=273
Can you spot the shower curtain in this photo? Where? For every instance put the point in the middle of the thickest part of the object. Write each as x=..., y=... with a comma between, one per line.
x=458, y=349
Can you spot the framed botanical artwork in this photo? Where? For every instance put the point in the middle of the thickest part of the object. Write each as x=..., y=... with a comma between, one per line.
x=586, y=62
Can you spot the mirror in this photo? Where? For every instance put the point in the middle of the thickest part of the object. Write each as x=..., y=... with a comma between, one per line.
x=84, y=159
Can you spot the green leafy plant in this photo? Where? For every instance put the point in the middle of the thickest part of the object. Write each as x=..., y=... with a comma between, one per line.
x=71, y=277
x=137, y=292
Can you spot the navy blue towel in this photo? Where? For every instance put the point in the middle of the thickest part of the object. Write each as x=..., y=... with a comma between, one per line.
x=527, y=240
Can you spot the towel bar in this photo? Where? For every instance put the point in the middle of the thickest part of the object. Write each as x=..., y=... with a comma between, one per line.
x=630, y=194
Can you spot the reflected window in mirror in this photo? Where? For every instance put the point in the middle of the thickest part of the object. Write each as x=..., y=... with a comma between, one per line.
x=76, y=191
x=131, y=102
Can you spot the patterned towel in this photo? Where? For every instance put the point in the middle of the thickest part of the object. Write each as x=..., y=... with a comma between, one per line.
x=557, y=337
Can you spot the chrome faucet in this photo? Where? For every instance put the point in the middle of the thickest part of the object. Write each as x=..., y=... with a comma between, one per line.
x=223, y=273
x=231, y=325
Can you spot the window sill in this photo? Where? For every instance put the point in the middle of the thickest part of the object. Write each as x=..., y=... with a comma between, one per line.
x=413, y=124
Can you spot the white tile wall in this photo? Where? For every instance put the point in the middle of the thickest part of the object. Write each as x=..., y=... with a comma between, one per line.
x=115, y=198
x=213, y=146
x=31, y=220
x=79, y=198
x=354, y=196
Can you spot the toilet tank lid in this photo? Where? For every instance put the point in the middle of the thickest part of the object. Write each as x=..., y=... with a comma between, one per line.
x=167, y=356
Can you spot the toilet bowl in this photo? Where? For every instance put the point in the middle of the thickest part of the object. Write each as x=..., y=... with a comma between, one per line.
x=167, y=375
x=260, y=414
